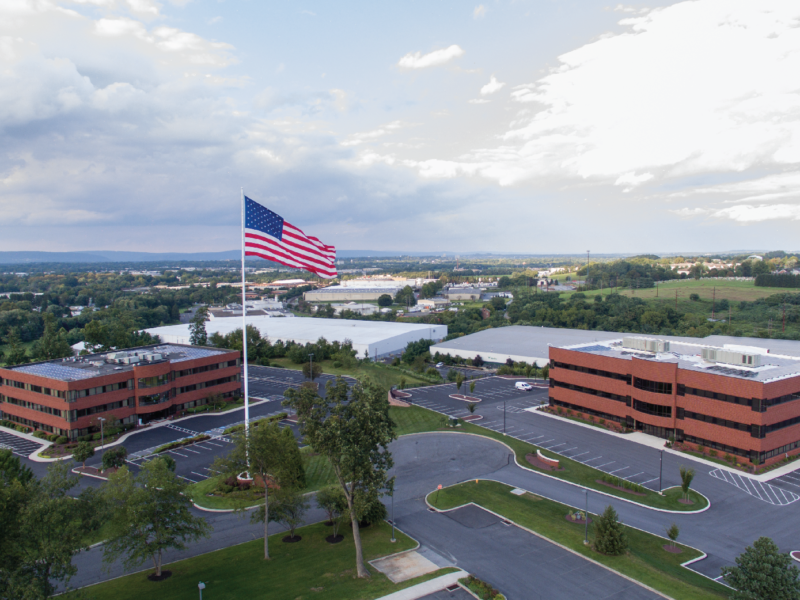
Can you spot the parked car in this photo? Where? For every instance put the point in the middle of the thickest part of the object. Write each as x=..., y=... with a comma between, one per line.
x=439, y=365
x=521, y=385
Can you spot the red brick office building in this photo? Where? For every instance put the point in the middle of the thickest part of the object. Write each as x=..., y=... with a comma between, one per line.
x=66, y=396
x=740, y=401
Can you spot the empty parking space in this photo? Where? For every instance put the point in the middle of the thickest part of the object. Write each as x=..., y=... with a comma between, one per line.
x=18, y=445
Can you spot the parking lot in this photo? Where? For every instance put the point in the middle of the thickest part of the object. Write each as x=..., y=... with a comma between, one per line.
x=18, y=445
x=505, y=409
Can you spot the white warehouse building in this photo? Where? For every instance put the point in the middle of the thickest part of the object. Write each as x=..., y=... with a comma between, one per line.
x=377, y=337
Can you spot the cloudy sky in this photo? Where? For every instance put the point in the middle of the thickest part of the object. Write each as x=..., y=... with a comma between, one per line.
x=529, y=126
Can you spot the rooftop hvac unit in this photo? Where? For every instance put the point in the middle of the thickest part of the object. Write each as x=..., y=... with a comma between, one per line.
x=645, y=344
x=129, y=360
x=729, y=357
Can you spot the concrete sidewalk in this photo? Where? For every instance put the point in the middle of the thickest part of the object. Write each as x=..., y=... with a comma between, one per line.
x=426, y=587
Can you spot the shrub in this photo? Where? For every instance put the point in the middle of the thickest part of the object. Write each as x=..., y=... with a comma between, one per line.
x=602, y=421
x=694, y=297
x=712, y=453
x=114, y=457
x=41, y=435
x=96, y=436
x=337, y=364
x=53, y=437
x=610, y=536
x=224, y=488
x=701, y=449
x=62, y=440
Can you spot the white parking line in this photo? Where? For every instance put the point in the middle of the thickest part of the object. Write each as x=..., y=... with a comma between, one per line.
x=649, y=480
x=629, y=477
x=213, y=444
x=179, y=454
x=605, y=464
x=190, y=450
x=591, y=459
x=187, y=479
x=554, y=446
x=567, y=450
x=581, y=454
x=617, y=471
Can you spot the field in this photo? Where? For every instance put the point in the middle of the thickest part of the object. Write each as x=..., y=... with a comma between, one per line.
x=731, y=290
x=383, y=376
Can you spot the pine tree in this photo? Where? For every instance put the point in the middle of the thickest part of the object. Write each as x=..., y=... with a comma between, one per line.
x=610, y=536
x=16, y=352
x=197, y=327
x=762, y=572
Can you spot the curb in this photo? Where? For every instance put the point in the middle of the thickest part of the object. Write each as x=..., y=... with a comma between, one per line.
x=583, y=487
x=539, y=535
x=42, y=459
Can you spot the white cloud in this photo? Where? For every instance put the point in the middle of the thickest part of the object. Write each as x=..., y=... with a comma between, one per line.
x=631, y=180
x=492, y=87
x=690, y=212
x=479, y=101
x=707, y=86
x=309, y=13
x=418, y=60
x=479, y=12
x=747, y=213
x=360, y=138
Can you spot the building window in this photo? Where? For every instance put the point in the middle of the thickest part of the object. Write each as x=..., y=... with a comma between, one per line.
x=714, y=420
x=588, y=411
x=656, y=387
x=619, y=376
x=717, y=396
x=585, y=390
x=656, y=410
x=148, y=382
x=154, y=399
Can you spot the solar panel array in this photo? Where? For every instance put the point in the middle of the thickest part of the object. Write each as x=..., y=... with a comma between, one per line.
x=595, y=348
x=57, y=371
x=732, y=372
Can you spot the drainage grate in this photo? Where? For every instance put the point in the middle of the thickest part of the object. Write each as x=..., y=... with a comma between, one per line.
x=506, y=522
x=431, y=509
x=453, y=588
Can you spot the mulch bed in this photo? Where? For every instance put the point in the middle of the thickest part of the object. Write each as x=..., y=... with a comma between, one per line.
x=581, y=521
x=619, y=487
x=469, y=418
x=465, y=398
x=671, y=548
x=795, y=554
x=334, y=539
x=540, y=464
x=164, y=575
x=685, y=501
x=95, y=471
x=291, y=539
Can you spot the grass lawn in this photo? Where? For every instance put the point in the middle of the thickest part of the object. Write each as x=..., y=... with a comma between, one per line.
x=646, y=560
x=734, y=291
x=311, y=568
x=318, y=474
x=382, y=376
x=574, y=471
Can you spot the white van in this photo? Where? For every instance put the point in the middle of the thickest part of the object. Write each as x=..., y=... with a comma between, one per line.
x=525, y=387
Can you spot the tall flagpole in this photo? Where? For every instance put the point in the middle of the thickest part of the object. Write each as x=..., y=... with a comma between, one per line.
x=244, y=335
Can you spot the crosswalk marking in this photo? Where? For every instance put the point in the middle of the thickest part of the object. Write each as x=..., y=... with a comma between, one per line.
x=763, y=491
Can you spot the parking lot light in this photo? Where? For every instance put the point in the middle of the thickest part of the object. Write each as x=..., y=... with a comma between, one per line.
x=102, y=441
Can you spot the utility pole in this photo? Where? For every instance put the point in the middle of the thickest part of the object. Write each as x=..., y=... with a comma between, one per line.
x=660, y=471
x=783, y=327
x=676, y=299
x=586, y=517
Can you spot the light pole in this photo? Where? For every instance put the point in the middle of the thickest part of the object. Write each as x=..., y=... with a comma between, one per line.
x=201, y=586
x=102, y=442
x=504, y=417
x=393, y=540
x=660, y=471
x=586, y=516
x=311, y=365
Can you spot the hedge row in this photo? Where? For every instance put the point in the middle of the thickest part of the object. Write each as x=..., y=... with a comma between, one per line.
x=181, y=443
x=236, y=428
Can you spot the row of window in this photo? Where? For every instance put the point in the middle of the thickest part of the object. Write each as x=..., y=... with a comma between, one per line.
x=588, y=411
x=156, y=398
x=73, y=395
x=716, y=445
x=206, y=368
x=29, y=423
x=32, y=406
x=155, y=381
x=593, y=392
x=34, y=388
x=599, y=372
x=657, y=410
x=74, y=415
x=688, y=414
x=656, y=387
x=206, y=384
x=683, y=390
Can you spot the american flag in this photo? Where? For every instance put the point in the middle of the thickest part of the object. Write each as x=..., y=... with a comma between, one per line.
x=268, y=236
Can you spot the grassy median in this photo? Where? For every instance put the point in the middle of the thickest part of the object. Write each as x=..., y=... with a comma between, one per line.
x=310, y=568
x=646, y=560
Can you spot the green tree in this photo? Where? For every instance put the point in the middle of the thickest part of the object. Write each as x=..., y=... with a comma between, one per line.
x=43, y=526
x=498, y=303
x=53, y=343
x=687, y=475
x=95, y=334
x=672, y=533
x=459, y=381
x=168, y=460
x=83, y=452
x=288, y=509
x=114, y=458
x=385, y=300
x=331, y=499
x=452, y=375
x=197, y=327
x=471, y=408
x=311, y=372
x=610, y=536
x=546, y=372
x=472, y=387
x=352, y=428
x=11, y=469
x=405, y=297
x=149, y=514
x=272, y=455
x=762, y=572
